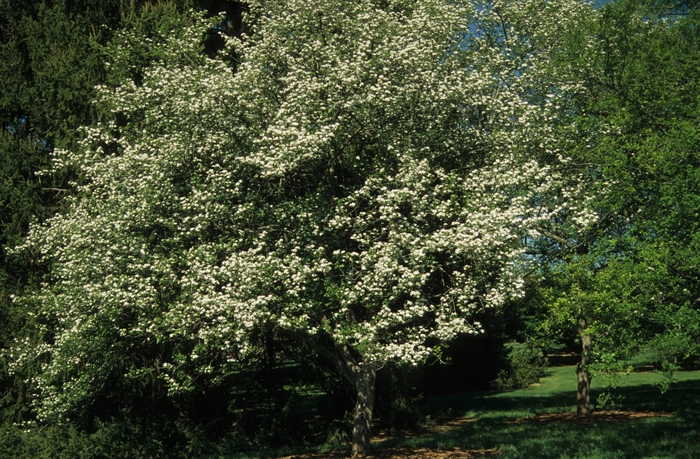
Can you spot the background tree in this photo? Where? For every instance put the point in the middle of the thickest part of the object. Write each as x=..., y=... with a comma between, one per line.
x=626, y=283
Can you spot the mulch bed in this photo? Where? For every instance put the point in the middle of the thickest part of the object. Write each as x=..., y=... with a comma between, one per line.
x=404, y=453
x=383, y=435
x=596, y=416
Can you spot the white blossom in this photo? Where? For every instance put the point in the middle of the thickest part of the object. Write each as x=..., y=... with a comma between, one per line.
x=366, y=173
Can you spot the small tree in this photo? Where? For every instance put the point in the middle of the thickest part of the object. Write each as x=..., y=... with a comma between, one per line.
x=359, y=183
x=629, y=281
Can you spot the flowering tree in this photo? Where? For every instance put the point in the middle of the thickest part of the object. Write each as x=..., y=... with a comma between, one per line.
x=360, y=182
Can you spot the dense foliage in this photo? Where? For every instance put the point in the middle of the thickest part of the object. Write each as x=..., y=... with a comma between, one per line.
x=629, y=282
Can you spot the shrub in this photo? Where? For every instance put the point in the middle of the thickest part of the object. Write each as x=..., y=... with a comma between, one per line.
x=525, y=366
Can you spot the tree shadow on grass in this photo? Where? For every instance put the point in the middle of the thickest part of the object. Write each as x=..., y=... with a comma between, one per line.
x=494, y=427
x=499, y=404
x=670, y=437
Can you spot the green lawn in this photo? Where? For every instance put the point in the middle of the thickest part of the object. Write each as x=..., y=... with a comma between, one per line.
x=662, y=437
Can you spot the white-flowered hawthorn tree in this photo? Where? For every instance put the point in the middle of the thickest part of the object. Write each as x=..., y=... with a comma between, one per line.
x=360, y=182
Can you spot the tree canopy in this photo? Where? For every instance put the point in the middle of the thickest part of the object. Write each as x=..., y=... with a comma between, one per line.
x=360, y=182
x=629, y=281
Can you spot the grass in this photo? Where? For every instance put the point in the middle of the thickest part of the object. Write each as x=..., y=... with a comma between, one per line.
x=659, y=437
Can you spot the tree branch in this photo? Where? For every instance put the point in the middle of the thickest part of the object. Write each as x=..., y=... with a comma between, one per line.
x=348, y=368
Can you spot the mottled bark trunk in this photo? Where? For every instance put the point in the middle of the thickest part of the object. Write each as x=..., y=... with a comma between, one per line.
x=583, y=395
x=361, y=431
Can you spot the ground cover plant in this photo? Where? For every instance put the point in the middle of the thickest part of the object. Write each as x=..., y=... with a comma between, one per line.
x=539, y=421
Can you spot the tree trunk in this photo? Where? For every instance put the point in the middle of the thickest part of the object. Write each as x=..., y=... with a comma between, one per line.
x=362, y=376
x=361, y=431
x=583, y=395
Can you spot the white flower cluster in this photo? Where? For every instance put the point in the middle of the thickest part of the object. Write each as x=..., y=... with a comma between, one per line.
x=365, y=174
